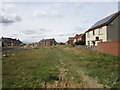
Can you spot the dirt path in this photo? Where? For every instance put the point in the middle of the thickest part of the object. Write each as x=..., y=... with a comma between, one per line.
x=89, y=82
x=65, y=82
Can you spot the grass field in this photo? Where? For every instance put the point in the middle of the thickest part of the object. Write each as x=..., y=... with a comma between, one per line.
x=58, y=64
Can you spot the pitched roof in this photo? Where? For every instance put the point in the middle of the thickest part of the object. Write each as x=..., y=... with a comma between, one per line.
x=46, y=40
x=104, y=21
x=3, y=38
x=79, y=35
x=70, y=38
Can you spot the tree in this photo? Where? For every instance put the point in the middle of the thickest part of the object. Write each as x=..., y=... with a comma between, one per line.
x=80, y=43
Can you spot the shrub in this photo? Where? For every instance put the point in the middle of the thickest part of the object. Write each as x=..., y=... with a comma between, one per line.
x=80, y=43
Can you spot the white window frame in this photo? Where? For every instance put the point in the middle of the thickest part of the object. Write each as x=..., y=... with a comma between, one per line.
x=93, y=32
x=100, y=31
x=88, y=34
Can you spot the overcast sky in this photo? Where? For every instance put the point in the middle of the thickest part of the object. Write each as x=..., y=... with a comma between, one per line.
x=33, y=21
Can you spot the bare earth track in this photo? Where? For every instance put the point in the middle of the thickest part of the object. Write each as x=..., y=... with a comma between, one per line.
x=65, y=82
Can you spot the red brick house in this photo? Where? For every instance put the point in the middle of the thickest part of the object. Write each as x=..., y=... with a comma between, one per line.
x=47, y=42
x=34, y=44
x=10, y=42
x=60, y=43
x=79, y=37
x=70, y=41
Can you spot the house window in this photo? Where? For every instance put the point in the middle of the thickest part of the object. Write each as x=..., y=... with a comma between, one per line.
x=88, y=34
x=93, y=32
x=97, y=38
x=88, y=42
x=100, y=31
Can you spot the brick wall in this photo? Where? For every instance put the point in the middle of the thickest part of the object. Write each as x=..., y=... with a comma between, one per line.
x=47, y=43
x=110, y=47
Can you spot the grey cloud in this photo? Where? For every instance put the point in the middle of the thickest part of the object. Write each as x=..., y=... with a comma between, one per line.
x=29, y=32
x=37, y=37
x=62, y=35
x=43, y=29
x=33, y=38
x=10, y=8
x=15, y=35
x=76, y=30
x=79, y=29
x=6, y=20
x=8, y=14
x=34, y=31
x=67, y=34
x=85, y=21
x=44, y=13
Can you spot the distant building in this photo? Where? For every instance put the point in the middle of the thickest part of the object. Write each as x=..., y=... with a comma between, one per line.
x=79, y=37
x=47, y=42
x=70, y=41
x=34, y=44
x=61, y=43
x=10, y=42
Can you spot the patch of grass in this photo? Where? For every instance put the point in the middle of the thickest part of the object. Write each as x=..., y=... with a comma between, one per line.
x=103, y=67
x=30, y=68
x=68, y=46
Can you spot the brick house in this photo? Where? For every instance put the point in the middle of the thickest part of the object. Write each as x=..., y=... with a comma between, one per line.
x=70, y=41
x=80, y=37
x=47, y=42
x=60, y=43
x=104, y=35
x=103, y=30
x=10, y=42
x=34, y=44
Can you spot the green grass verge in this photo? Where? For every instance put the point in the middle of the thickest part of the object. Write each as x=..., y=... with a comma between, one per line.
x=102, y=67
x=32, y=67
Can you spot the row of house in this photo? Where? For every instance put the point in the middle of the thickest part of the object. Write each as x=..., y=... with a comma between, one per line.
x=44, y=42
x=77, y=39
x=104, y=34
x=10, y=42
x=48, y=42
